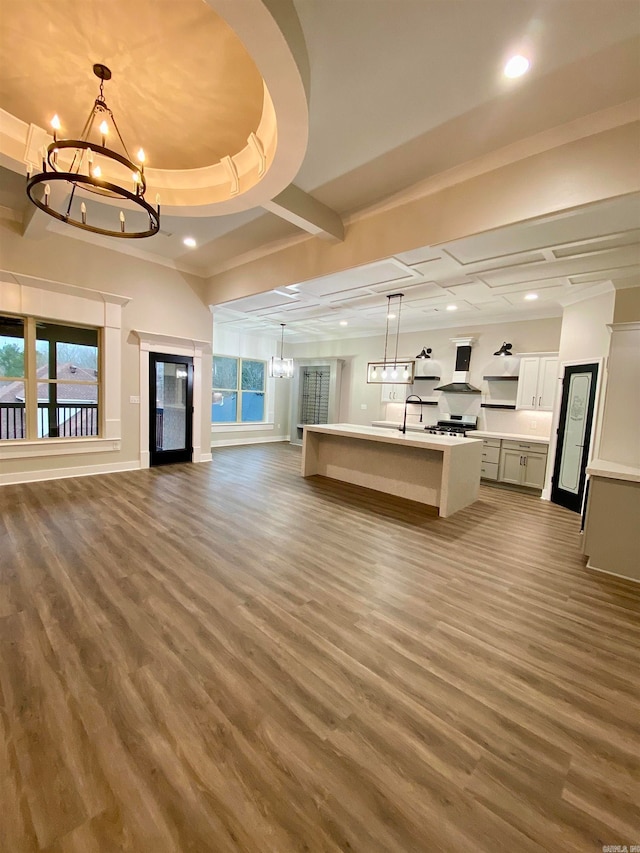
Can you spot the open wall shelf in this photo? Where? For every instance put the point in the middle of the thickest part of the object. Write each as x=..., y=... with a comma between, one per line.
x=501, y=378
x=497, y=405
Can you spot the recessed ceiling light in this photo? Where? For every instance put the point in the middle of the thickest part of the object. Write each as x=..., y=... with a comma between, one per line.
x=516, y=66
x=391, y=316
x=344, y=322
x=190, y=242
x=452, y=307
x=531, y=296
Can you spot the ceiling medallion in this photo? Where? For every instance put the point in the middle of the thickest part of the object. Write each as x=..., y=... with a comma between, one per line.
x=86, y=166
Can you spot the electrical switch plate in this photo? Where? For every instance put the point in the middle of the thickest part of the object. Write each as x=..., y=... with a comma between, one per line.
x=134, y=399
x=363, y=406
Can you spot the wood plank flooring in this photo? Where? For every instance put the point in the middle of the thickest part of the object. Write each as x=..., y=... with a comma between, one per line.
x=226, y=657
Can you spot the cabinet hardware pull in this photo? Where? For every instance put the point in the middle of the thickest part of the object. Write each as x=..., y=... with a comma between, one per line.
x=539, y=402
x=533, y=400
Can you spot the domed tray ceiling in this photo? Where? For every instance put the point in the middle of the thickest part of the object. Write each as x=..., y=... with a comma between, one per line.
x=184, y=87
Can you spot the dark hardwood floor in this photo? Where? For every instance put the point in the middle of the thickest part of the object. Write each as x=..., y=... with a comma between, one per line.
x=226, y=657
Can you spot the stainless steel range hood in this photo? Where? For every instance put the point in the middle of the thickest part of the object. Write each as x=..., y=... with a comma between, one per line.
x=460, y=381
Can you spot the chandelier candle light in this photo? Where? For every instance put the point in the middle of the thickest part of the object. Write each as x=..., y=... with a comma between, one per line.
x=395, y=371
x=279, y=367
x=85, y=161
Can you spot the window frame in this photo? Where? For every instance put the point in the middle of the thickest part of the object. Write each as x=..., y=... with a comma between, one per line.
x=32, y=381
x=238, y=390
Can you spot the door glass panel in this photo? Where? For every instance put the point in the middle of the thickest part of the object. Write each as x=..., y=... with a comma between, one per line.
x=574, y=434
x=171, y=405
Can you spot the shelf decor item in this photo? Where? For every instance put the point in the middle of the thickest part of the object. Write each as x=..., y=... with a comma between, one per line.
x=86, y=166
x=392, y=370
x=280, y=367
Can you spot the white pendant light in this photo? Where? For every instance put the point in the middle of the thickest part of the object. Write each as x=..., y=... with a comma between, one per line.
x=279, y=367
x=394, y=371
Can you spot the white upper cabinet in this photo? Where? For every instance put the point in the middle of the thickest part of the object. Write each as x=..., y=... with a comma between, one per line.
x=537, y=382
x=396, y=393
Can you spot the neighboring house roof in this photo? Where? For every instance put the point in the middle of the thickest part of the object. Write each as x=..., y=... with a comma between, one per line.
x=67, y=373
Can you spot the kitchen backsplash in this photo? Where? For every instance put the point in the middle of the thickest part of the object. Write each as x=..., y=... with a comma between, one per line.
x=494, y=420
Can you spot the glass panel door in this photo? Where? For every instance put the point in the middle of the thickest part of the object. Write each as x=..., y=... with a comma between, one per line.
x=170, y=408
x=574, y=433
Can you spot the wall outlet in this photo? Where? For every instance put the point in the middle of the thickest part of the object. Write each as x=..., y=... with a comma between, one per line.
x=533, y=425
x=134, y=399
x=363, y=406
x=278, y=426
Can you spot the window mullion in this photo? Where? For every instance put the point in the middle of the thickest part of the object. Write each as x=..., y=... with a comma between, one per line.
x=31, y=378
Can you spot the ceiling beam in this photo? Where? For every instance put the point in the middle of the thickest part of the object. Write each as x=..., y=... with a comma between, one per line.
x=301, y=209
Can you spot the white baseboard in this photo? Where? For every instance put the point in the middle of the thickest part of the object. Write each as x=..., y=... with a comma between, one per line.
x=64, y=473
x=204, y=457
x=613, y=574
x=230, y=442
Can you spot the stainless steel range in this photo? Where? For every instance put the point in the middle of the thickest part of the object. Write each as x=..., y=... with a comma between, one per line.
x=454, y=425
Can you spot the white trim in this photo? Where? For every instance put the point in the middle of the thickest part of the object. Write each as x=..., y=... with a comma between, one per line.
x=624, y=327
x=231, y=442
x=258, y=426
x=171, y=345
x=64, y=473
x=57, y=447
x=204, y=457
x=29, y=296
x=614, y=574
x=24, y=280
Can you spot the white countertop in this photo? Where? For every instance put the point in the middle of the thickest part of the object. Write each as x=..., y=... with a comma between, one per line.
x=477, y=433
x=613, y=470
x=512, y=436
x=384, y=434
x=395, y=425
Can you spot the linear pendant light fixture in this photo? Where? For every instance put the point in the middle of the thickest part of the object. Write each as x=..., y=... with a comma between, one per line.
x=279, y=367
x=394, y=371
x=87, y=165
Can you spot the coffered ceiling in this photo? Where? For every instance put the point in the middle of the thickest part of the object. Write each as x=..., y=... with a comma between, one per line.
x=483, y=279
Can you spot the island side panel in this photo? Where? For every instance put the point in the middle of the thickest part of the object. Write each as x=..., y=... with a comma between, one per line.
x=460, y=477
x=310, y=444
x=407, y=472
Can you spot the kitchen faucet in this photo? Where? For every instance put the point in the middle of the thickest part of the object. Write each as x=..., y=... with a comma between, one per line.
x=412, y=398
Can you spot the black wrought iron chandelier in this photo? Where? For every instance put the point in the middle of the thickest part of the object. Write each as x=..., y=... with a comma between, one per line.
x=89, y=166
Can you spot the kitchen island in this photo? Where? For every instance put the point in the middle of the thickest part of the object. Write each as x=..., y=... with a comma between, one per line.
x=440, y=471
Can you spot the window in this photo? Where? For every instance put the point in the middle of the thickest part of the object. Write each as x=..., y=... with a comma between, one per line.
x=238, y=390
x=49, y=379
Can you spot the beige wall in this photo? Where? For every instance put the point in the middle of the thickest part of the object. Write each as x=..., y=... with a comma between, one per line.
x=526, y=336
x=584, y=328
x=627, y=308
x=163, y=300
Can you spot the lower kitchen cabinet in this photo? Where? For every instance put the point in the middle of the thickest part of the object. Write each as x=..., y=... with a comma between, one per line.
x=518, y=463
